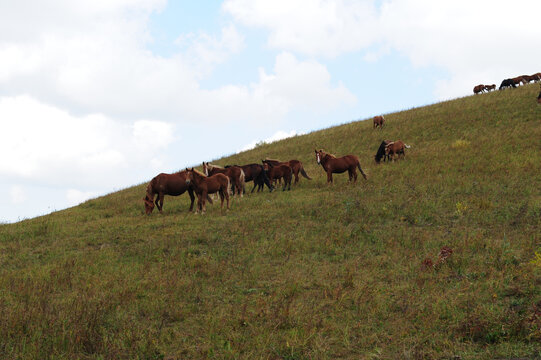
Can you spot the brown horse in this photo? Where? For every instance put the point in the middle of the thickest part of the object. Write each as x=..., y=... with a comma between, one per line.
x=490, y=87
x=166, y=184
x=295, y=165
x=235, y=174
x=203, y=186
x=281, y=171
x=396, y=148
x=478, y=88
x=331, y=164
x=519, y=80
x=378, y=121
x=257, y=174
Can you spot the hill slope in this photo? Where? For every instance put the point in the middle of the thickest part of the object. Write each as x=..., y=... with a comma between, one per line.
x=315, y=273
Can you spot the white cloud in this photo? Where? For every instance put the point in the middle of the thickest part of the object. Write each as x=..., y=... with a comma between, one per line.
x=17, y=194
x=474, y=41
x=279, y=135
x=75, y=197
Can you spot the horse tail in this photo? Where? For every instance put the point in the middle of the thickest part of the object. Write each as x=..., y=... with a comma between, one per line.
x=303, y=173
x=361, y=170
x=407, y=146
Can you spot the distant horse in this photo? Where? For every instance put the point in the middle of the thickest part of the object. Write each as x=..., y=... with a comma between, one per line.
x=331, y=164
x=205, y=185
x=281, y=171
x=378, y=121
x=381, y=152
x=235, y=174
x=490, y=87
x=257, y=174
x=478, y=88
x=396, y=148
x=295, y=165
x=519, y=80
x=507, y=83
x=166, y=184
x=537, y=76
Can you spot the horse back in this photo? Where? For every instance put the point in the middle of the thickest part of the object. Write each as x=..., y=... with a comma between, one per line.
x=169, y=184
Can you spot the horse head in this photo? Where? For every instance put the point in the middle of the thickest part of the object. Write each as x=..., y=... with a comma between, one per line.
x=149, y=204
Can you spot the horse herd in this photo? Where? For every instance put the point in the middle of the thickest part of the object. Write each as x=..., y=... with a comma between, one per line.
x=512, y=82
x=232, y=179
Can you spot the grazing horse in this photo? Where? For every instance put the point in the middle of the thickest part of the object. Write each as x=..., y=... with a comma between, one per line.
x=257, y=174
x=490, y=87
x=378, y=121
x=205, y=185
x=295, y=165
x=166, y=184
x=281, y=171
x=381, y=152
x=331, y=164
x=507, y=83
x=235, y=174
x=478, y=88
x=396, y=148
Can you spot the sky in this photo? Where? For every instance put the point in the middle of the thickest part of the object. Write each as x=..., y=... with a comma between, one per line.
x=100, y=95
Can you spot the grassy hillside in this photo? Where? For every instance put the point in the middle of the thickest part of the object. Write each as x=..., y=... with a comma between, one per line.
x=320, y=272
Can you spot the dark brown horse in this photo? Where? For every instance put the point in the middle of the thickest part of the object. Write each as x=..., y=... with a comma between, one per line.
x=396, y=148
x=478, y=88
x=166, y=184
x=378, y=121
x=257, y=174
x=235, y=174
x=331, y=164
x=490, y=87
x=281, y=171
x=381, y=152
x=205, y=185
x=295, y=165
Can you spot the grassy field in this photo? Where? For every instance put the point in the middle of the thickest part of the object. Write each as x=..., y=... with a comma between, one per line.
x=319, y=272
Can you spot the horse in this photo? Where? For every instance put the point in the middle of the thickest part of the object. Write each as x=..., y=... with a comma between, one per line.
x=507, y=83
x=331, y=164
x=378, y=121
x=295, y=165
x=490, y=87
x=166, y=184
x=396, y=148
x=519, y=80
x=235, y=174
x=281, y=171
x=257, y=174
x=537, y=77
x=478, y=88
x=204, y=185
x=381, y=152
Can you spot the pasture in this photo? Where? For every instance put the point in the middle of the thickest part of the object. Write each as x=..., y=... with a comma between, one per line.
x=319, y=272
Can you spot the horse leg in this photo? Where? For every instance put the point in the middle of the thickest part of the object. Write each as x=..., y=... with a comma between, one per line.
x=227, y=199
x=192, y=198
x=222, y=200
x=329, y=177
x=296, y=177
x=203, y=202
x=159, y=201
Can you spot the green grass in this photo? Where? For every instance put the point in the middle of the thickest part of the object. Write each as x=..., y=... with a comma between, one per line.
x=319, y=272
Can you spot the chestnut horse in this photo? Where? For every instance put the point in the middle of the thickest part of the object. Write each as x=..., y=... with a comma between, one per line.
x=478, y=88
x=295, y=165
x=281, y=171
x=381, y=152
x=378, y=121
x=396, y=148
x=205, y=185
x=235, y=174
x=331, y=164
x=166, y=184
x=490, y=87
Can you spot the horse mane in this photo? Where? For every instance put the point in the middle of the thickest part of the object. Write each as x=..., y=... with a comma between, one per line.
x=212, y=166
x=199, y=173
x=330, y=155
